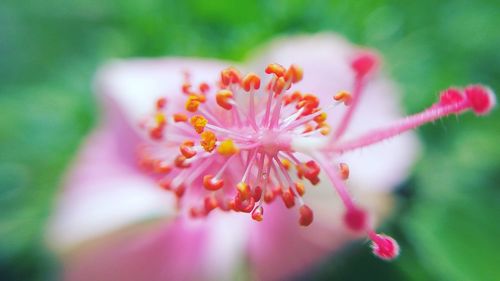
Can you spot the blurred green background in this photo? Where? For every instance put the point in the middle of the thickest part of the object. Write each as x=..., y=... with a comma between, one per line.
x=448, y=218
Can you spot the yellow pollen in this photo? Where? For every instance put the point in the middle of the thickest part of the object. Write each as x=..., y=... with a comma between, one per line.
x=227, y=148
x=208, y=140
x=199, y=122
x=294, y=73
x=160, y=118
x=275, y=69
x=320, y=118
x=192, y=103
x=286, y=163
x=324, y=129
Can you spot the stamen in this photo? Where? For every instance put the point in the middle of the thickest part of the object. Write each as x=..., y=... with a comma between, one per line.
x=255, y=164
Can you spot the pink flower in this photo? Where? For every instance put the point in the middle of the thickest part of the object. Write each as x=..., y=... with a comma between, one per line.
x=228, y=147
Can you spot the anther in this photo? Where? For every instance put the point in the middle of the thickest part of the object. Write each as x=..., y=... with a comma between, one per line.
x=230, y=76
x=258, y=214
x=223, y=98
x=192, y=103
x=288, y=198
x=243, y=189
x=186, y=149
x=275, y=69
x=198, y=122
x=180, y=117
x=344, y=171
x=300, y=188
x=161, y=103
x=204, y=88
x=211, y=183
x=161, y=167
x=181, y=163
x=245, y=205
x=306, y=215
x=343, y=96
x=251, y=81
x=294, y=74
x=208, y=140
x=227, y=148
x=210, y=203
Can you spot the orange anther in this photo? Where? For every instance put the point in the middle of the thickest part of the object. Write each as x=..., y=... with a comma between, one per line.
x=156, y=133
x=230, y=75
x=344, y=97
x=198, y=122
x=160, y=118
x=250, y=81
x=243, y=189
x=344, y=171
x=223, y=97
x=258, y=214
x=180, y=162
x=320, y=118
x=257, y=193
x=308, y=128
x=186, y=88
x=280, y=85
x=180, y=190
x=286, y=163
x=192, y=103
x=244, y=204
x=324, y=129
x=227, y=148
x=299, y=187
x=306, y=215
x=210, y=203
x=165, y=184
x=161, y=103
x=208, y=140
x=269, y=196
x=294, y=73
x=161, y=167
x=288, y=198
x=186, y=149
x=180, y=117
x=204, y=88
x=211, y=183
x=275, y=69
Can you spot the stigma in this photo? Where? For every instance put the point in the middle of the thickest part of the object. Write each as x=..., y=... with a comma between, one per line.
x=245, y=141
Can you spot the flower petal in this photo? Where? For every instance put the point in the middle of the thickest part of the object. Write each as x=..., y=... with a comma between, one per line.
x=183, y=250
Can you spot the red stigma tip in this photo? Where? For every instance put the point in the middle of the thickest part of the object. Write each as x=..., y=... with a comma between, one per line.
x=364, y=63
x=385, y=247
x=481, y=99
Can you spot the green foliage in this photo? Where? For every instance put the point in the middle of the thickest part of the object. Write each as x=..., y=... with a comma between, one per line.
x=50, y=49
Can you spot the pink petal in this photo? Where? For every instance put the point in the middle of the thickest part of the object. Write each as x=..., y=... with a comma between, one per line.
x=181, y=250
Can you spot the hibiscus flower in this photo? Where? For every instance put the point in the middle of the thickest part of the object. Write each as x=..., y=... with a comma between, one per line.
x=198, y=171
